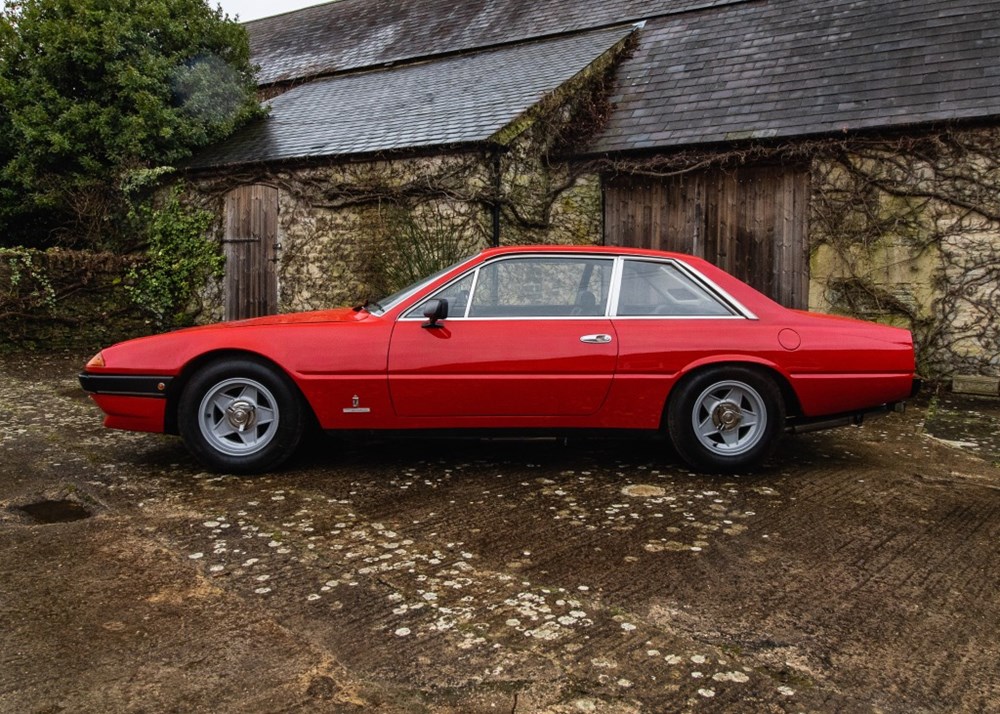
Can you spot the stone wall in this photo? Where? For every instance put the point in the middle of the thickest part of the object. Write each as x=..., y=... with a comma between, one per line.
x=904, y=229
x=908, y=232
x=357, y=231
x=66, y=299
x=545, y=201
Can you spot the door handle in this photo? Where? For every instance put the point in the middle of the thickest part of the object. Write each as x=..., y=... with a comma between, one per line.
x=596, y=339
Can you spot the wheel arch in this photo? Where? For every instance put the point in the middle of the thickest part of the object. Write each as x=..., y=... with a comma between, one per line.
x=761, y=366
x=194, y=365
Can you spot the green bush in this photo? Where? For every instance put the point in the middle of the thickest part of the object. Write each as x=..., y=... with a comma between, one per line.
x=180, y=259
x=92, y=91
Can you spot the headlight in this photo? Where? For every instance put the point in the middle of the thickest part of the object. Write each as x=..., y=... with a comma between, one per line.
x=96, y=361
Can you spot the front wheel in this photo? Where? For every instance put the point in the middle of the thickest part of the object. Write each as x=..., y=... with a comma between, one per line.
x=726, y=418
x=240, y=416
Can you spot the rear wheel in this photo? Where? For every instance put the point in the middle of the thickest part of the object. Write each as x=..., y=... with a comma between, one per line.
x=240, y=416
x=726, y=418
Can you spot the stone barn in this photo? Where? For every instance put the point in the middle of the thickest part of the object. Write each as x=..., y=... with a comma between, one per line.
x=841, y=156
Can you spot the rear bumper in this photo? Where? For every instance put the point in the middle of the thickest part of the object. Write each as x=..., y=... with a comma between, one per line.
x=837, y=393
x=800, y=425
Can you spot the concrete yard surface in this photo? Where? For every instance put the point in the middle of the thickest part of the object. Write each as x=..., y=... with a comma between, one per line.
x=857, y=572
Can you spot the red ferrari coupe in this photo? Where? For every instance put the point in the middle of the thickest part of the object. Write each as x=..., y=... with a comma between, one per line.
x=516, y=341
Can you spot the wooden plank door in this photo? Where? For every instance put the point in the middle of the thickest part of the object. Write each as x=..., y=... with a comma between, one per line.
x=750, y=221
x=250, y=243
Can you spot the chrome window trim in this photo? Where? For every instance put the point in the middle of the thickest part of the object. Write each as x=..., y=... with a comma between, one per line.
x=611, y=307
x=680, y=317
x=420, y=318
x=743, y=313
x=423, y=284
x=472, y=292
x=614, y=259
x=616, y=286
x=550, y=318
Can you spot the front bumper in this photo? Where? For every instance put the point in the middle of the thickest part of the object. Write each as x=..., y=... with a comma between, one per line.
x=125, y=384
x=129, y=402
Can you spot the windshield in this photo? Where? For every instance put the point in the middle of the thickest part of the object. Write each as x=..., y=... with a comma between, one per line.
x=378, y=307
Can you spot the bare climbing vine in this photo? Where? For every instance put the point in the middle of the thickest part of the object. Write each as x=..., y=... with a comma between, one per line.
x=914, y=225
x=356, y=230
x=903, y=228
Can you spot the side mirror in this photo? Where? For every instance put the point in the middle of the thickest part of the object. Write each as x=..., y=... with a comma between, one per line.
x=435, y=310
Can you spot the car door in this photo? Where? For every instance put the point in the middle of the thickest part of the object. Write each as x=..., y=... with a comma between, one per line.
x=526, y=336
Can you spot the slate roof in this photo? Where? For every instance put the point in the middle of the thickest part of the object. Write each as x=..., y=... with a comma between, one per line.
x=422, y=73
x=785, y=68
x=352, y=34
x=451, y=101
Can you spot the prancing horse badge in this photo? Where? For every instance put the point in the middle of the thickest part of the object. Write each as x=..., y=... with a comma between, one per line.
x=354, y=408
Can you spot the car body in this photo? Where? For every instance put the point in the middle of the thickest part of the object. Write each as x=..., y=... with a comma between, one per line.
x=549, y=339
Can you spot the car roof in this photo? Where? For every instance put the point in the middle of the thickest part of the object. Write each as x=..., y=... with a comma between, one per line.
x=609, y=250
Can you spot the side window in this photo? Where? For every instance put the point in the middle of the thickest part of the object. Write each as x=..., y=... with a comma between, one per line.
x=457, y=295
x=653, y=288
x=543, y=287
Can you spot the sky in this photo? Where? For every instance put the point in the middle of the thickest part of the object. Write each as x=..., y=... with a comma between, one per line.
x=253, y=9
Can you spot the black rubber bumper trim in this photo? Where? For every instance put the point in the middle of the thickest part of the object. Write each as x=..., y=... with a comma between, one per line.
x=126, y=385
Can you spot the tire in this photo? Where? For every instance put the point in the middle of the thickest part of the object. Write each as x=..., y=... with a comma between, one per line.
x=240, y=416
x=725, y=419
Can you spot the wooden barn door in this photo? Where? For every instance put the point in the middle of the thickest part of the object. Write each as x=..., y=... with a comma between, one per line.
x=251, y=237
x=750, y=222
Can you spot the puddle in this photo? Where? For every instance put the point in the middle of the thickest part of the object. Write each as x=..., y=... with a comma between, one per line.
x=62, y=511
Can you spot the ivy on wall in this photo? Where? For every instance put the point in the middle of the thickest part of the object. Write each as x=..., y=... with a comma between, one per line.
x=417, y=243
x=179, y=260
x=65, y=299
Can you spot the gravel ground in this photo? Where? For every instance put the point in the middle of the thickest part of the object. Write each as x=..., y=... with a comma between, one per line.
x=858, y=571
